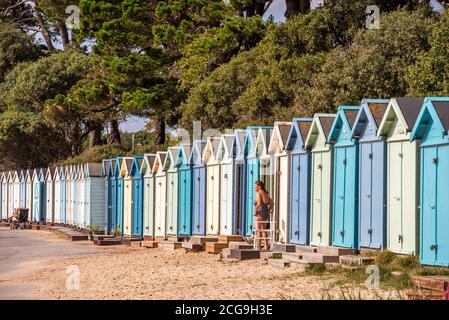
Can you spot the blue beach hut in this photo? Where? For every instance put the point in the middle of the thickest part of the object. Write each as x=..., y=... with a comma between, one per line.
x=372, y=174
x=199, y=188
x=137, y=198
x=239, y=185
x=146, y=171
x=300, y=173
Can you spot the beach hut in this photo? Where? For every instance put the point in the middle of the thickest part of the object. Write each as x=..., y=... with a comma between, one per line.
x=39, y=195
x=50, y=195
x=106, y=174
x=69, y=195
x=226, y=158
x=160, y=192
x=402, y=174
x=266, y=170
x=431, y=128
x=212, y=185
x=112, y=227
x=321, y=184
x=372, y=174
x=120, y=186
x=299, y=181
x=252, y=175
x=146, y=171
x=29, y=192
x=345, y=179
x=57, y=195
x=74, y=198
x=4, y=187
x=137, y=199
x=82, y=196
x=94, y=196
x=125, y=173
x=239, y=185
x=199, y=188
x=171, y=167
x=280, y=157
x=185, y=191
x=10, y=180
x=22, y=189
x=16, y=187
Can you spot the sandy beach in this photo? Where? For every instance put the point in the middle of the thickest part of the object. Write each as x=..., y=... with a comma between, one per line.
x=135, y=273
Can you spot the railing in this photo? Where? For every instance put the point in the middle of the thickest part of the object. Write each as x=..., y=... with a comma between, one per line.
x=270, y=231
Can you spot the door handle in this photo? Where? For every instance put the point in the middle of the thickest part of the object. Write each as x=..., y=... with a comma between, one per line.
x=368, y=195
x=433, y=247
x=431, y=206
x=397, y=198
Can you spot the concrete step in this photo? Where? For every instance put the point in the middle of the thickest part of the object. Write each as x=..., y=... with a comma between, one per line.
x=192, y=246
x=435, y=283
x=149, y=244
x=160, y=238
x=244, y=254
x=335, y=251
x=302, y=264
x=102, y=236
x=170, y=245
x=227, y=238
x=226, y=253
x=203, y=239
x=356, y=260
x=240, y=245
x=136, y=244
x=35, y=227
x=108, y=242
x=319, y=257
x=77, y=237
x=301, y=249
x=264, y=255
x=148, y=238
x=279, y=263
x=283, y=247
x=173, y=238
x=215, y=247
x=292, y=256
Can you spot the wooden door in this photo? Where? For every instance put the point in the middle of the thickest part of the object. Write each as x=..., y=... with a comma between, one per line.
x=395, y=179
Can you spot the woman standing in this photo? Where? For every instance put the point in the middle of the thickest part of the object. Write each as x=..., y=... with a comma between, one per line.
x=263, y=206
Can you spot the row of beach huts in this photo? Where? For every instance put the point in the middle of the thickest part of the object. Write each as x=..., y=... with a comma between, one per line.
x=371, y=176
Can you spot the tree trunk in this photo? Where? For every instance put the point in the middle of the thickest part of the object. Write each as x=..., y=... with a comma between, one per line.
x=296, y=6
x=114, y=136
x=95, y=134
x=64, y=34
x=44, y=31
x=160, y=130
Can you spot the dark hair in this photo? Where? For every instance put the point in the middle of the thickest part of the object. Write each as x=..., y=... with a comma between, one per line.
x=261, y=185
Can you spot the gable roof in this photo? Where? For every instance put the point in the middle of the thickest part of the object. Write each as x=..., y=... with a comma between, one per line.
x=159, y=161
x=125, y=168
x=321, y=125
x=136, y=165
x=172, y=158
x=279, y=137
x=211, y=149
x=250, y=140
x=263, y=140
x=344, y=120
x=196, y=156
x=238, y=143
x=435, y=111
x=371, y=111
x=57, y=174
x=225, y=147
x=28, y=175
x=148, y=162
x=105, y=167
x=405, y=110
x=298, y=132
x=184, y=153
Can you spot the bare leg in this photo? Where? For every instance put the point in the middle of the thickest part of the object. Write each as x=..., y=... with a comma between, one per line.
x=257, y=227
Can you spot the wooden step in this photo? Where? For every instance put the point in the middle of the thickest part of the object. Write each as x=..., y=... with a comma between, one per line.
x=136, y=244
x=203, y=239
x=102, y=236
x=279, y=263
x=77, y=237
x=160, y=238
x=292, y=256
x=244, y=254
x=215, y=247
x=319, y=258
x=192, y=246
x=170, y=245
x=35, y=227
x=424, y=295
x=301, y=249
x=108, y=242
x=335, y=251
x=435, y=283
x=149, y=244
x=240, y=245
x=356, y=260
x=227, y=239
x=173, y=238
x=148, y=238
x=283, y=247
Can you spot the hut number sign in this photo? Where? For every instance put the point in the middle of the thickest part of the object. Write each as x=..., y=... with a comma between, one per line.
x=231, y=309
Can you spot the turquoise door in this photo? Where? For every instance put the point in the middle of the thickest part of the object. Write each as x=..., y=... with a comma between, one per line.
x=435, y=205
x=137, y=208
x=185, y=202
x=119, y=207
x=252, y=176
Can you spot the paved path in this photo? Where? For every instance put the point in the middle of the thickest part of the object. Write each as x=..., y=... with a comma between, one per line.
x=24, y=251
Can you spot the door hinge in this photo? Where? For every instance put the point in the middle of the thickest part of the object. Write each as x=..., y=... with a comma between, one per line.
x=435, y=160
x=400, y=238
